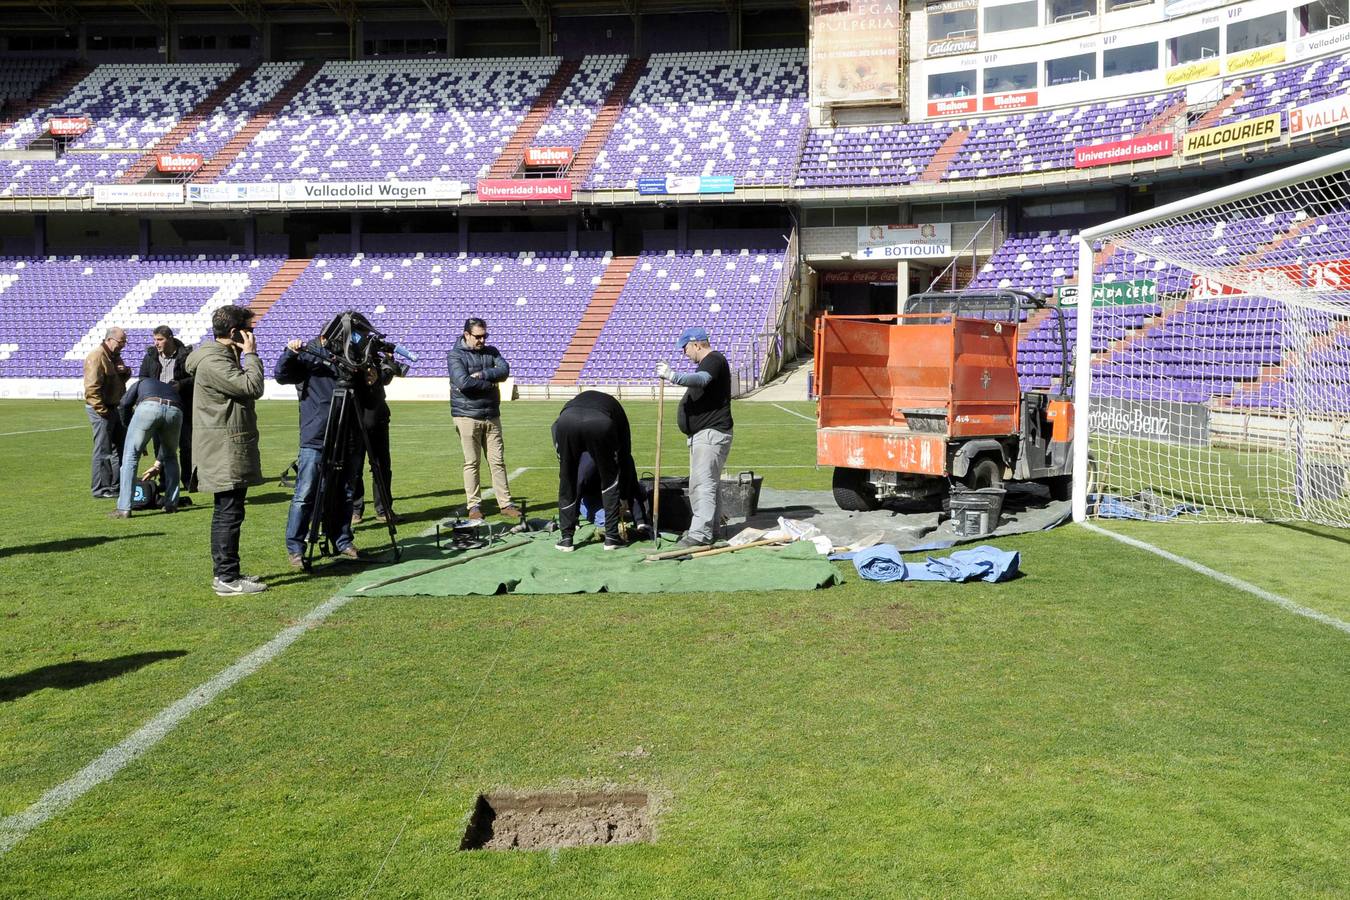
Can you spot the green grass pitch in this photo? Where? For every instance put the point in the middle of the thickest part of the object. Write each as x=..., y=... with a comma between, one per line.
x=1110, y=724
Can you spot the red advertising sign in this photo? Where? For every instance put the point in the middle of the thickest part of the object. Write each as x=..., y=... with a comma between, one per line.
x=548, y=156
x=859, y=276
x=506, y=190
x=1014, y=100
x=1268, y=280
x=957, y=106
x=1329, y=275
x=1149, y=146
x=178, y=162
x=68, y=126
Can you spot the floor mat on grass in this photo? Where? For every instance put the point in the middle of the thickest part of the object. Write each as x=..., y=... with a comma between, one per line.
x=1027, y=507
x=538, y=568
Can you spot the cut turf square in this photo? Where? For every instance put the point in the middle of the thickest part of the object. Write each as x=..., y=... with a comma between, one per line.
x=554, y=819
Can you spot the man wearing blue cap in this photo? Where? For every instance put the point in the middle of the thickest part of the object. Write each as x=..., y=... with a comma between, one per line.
x=705, y=416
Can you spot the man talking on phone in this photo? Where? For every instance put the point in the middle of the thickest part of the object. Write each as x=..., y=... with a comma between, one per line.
x=228, y=378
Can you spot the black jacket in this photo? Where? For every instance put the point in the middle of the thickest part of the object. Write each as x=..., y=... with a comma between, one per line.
x=476, y=398
x=182, y=381
x=315, y=379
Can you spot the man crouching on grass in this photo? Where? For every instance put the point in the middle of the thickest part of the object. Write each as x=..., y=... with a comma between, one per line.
x=228, y=379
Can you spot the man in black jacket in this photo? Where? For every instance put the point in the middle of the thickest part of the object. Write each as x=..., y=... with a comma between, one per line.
x=476, y=368
x=593, y=427
x=166, y=360
x=306, y=366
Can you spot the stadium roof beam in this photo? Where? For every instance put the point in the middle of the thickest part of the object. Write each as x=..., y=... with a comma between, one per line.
x=62, y=12
x=251, y=11
x=156, y=11
x=443, y=10
x=539, y=11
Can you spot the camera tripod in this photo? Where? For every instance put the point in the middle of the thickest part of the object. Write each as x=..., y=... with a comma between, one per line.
x=338, y=434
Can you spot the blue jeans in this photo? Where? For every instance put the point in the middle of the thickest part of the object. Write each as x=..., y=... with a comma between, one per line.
x=338, y=528
x=151, y=420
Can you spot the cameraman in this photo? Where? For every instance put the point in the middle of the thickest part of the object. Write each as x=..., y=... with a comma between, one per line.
x=310, y=368
x=377, y=428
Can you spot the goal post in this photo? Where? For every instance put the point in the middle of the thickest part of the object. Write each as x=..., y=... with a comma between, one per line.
x=1212, y=355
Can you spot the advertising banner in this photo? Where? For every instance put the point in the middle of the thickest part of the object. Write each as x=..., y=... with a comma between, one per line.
x=1111, y=293
x=1014, y=100
x=953, y=46
x=957, y=106
x=1255, y=59
x=507, y=190
x=1329, y=275
x=68, y=126
x=1271, y=279
x=178, y=162
x=550, y=157
x=859, y=276
x=1331, y=113
x=233, y=193
x=904, y=241
x=1171, y=422
x=1149, y=146
x=938, y=7
x=855, y=50
x=1331, y=40
x=130, y=194
x=687, y=184
x=1248, y=131
x=1194, y=71
x=302, y=191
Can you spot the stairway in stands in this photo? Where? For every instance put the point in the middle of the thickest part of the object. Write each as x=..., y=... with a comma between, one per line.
x=942, y=159
x=187, y=125
x=277, y=285
x=593, y=321
x=1164, y=120
x=605, y=121
x=513, y=155
x=53, y=91
x=1219, y=110
x=264, y=116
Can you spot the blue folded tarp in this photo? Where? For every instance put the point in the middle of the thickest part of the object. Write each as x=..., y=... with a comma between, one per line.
x=983, y=563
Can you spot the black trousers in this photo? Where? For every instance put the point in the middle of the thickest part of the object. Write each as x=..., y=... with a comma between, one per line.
x=579, y=431
x=227, y=520
x=379, y=454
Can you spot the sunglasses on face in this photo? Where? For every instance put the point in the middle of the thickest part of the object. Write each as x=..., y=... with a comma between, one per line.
x=479, y=337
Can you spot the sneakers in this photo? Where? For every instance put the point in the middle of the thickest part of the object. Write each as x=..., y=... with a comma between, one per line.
x=357, y=518
x=120, y=514
x=184, y=500
x=105, y=495
x=387, y=517
x=475, y=514
x=297, y=560
x=240, y=585
x=171, y=507
x=510, y=511
x=689, y=543
x=564, y=544
x=613, y=543
x=349, y=552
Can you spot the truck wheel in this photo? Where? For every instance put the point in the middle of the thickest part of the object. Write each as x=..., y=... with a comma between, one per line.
x=986, y=472
x=852, y=492
x=1061, y=487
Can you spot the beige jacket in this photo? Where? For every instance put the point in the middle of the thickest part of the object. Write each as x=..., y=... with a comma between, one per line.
x=104, y=384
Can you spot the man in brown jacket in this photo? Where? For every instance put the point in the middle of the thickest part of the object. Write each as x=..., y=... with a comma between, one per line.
x=105, y=381
x=227, y=379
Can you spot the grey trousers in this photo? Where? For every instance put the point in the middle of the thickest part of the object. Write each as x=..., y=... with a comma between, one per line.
x=708, y=451
x=103, y=470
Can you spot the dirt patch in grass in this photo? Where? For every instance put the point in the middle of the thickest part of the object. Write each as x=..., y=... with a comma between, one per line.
x=545, y=820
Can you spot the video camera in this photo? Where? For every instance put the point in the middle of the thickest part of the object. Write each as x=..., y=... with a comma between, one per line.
x=355, y=347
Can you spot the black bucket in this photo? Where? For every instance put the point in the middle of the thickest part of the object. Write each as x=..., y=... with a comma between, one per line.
x=738, y=496
x=675, y=511
x=976, y=513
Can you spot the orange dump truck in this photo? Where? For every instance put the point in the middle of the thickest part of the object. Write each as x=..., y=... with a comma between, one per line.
x=910, y=403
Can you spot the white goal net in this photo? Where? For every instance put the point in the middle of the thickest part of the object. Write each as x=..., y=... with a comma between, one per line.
x=1213, y=362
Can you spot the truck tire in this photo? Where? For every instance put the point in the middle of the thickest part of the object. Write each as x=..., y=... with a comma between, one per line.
x=852, y=492
x=1061, y=487
x=985, y=472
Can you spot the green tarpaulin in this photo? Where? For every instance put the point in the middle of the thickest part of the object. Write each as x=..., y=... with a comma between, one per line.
x=538, y=568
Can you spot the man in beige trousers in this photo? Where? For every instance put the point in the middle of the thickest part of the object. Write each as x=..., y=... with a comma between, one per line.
x=476, y=369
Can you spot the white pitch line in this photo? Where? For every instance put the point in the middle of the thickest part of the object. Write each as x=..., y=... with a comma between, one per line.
x=793, y=412
x=15, y=828
x=1248, y=587
x=40, y=430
